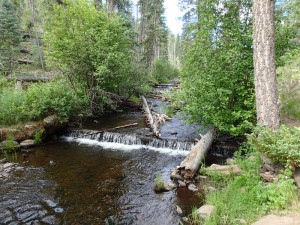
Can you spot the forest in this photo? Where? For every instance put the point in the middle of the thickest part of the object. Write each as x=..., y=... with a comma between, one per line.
x=233, y=73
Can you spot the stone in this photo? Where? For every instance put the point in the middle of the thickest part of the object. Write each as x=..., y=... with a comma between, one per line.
x=242, y=221
x=277, y=220
x=201, y=177
x=225, y=169
x=273, y=167
x=297, y=176
x=173, y=132
x=269, y=177
x=58, y=210
x=50, y=203
x=205, y=211
x=230, y=161
x=30, y=129
x=7, y=165
x=52, y=124
x=181, y=183
x=178, y=210
x=49, y=220
x=165, y=187
x=52, y=163
x=192, y=187
x=185, y=219
x=18, y=135
x=174, y=174
x=210, y=188
x=27, y=143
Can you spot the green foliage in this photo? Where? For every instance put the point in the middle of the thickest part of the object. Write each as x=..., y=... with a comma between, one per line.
x=247, y=197
x=10, y=141
x=278, y=196
x=217, y=70
x=39, y=101
x=289, y=84
x=38, y=136
x=9, y=25
x=159, y=183
x=163, y=71
x=280, y=146
x=94, y=49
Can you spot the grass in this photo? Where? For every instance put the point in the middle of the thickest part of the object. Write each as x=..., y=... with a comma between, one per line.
x=247, y=196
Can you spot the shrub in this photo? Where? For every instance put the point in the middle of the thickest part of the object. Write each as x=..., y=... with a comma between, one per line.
x=280, y=146
x=39, y=101
x=163, y=71
x=289, y=85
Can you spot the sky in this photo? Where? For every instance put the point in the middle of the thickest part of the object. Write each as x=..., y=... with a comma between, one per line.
x=172, y=14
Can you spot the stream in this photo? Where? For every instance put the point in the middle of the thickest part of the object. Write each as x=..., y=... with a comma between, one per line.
x=104, y=178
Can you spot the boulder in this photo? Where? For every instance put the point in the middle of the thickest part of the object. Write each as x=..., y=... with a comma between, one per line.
x=52, y=124
x=297, y=176
x=27, y=143
x=273, y=167
x=18, y=135
x=30, y=129
x=230, y=161
x=205, y=211
x=225, y=169
x=179, y=210
x=192, y=187
x=269, y=177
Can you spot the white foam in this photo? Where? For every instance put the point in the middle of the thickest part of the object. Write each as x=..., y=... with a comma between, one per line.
x=124, y=147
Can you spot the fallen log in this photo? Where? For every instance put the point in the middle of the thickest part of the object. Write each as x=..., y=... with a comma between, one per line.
x=28, y=79
x=190, y=165
x=24, y=61
x=123, y=101
x=166, y=85
x=149, y=117
x=153, y=119
x=109, y=129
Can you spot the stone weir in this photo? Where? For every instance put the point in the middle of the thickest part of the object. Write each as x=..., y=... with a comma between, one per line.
x=130, y=139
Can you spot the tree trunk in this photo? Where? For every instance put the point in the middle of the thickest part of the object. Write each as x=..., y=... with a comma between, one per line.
x=266, y=91
x=31, y=4
x=190, y=165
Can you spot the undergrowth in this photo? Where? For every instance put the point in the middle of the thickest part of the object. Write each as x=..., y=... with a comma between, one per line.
x=247, y=196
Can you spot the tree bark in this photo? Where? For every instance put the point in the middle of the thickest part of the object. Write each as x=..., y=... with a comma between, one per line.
x=123, y=101
x=266, y=91
x=190, y=165
x=153, y=119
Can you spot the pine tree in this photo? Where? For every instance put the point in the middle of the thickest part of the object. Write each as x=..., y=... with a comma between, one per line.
x=10, y=38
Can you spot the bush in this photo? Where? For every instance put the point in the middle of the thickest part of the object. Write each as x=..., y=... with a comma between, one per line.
x=280, y=146
x=39, y=101
x=163, y=71
x=289, y=85
x=247, y=197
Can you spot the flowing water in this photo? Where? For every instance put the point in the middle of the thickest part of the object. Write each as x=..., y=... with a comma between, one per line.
x=102, y=178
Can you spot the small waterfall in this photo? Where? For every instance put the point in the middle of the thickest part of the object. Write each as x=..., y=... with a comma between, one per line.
x=130, y=139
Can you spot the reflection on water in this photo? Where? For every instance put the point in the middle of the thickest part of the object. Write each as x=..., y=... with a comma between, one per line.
x=98, y=186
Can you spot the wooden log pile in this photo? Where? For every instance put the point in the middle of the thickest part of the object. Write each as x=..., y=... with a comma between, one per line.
x=153, y=119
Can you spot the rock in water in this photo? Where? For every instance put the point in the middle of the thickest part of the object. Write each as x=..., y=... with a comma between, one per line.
x=52, y=163
x=27, y=143
x=178, y=210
